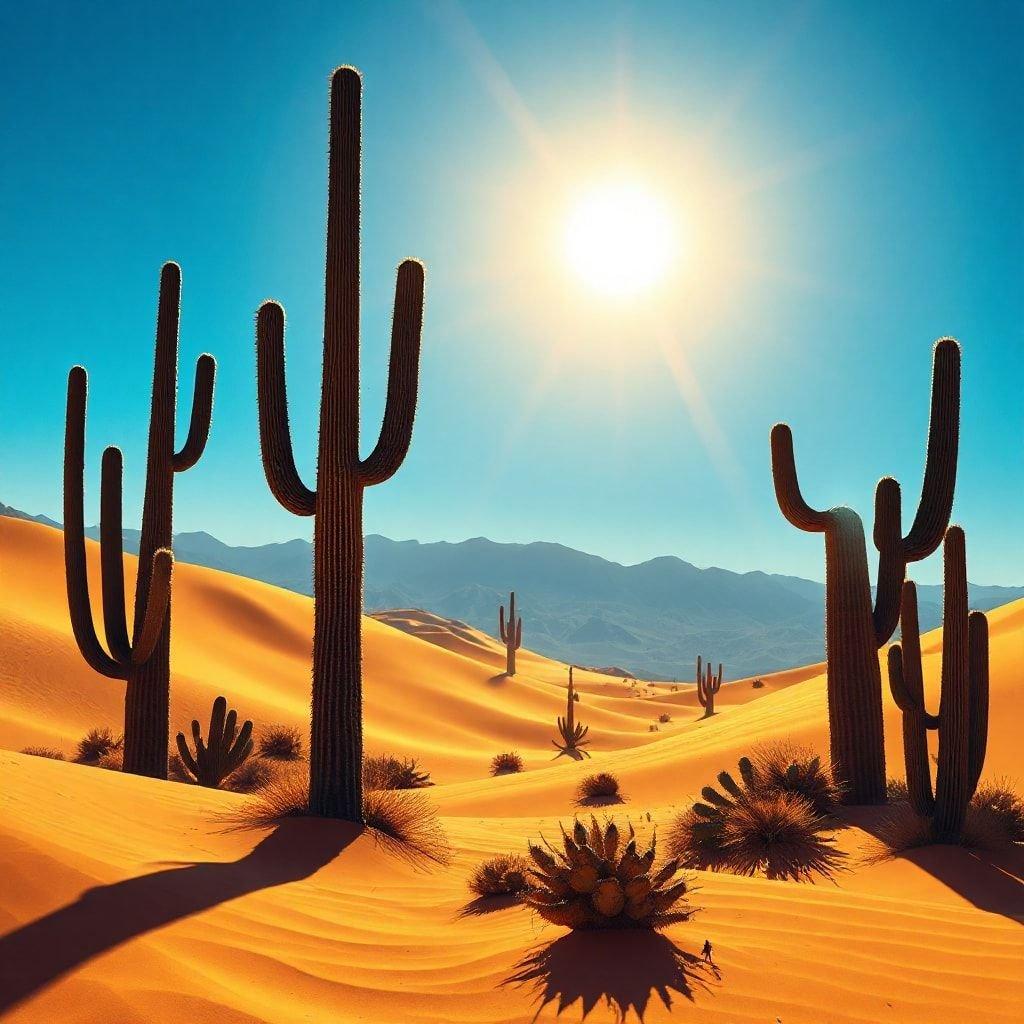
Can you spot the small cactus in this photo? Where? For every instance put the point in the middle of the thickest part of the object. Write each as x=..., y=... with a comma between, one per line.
x=511, y=633
x=572, y=732
x=225, y=749
x=708, y=685
x=601, y=882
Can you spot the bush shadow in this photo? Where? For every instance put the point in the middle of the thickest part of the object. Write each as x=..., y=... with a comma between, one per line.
x=621, y=970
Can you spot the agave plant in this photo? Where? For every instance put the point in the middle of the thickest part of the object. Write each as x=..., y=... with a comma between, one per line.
x=601, y=882
x=573, y=733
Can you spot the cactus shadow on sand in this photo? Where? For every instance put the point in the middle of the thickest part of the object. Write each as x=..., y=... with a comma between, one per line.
x=622, y=970
x=101, y=919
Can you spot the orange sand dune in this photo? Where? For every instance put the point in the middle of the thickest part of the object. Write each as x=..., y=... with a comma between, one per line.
x=123, y=899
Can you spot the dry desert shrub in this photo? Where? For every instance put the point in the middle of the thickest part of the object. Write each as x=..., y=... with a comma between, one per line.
x=758, y=684
x=97, y=743
x=112, y=761
x=503, y=875
x=600, y=788
x=250, y=776
x=403, y=823
x=757, y=825
x=994, y=820
x=47, y=752
x=280, y=743
x=507, y=763
x=385, y=771
x=787, y=768
x=896, y=791
x=664, y=718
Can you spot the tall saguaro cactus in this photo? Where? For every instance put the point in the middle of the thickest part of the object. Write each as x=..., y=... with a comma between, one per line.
x=143, y=660
x=511, y=634
x=962, y=719
x=573, y=733
x=708, y=686
x=336, y=740
x=854, y=628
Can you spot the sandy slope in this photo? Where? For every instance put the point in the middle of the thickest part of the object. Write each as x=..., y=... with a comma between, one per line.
x=309, y=923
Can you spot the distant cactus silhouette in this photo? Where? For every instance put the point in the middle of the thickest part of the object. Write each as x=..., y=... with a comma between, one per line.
x=225, y=749
x=143, y=660
x=854, y=630
x=962, y=719
x=336, y=740
x=572, y=732
x=511, y=633
x=708, y=686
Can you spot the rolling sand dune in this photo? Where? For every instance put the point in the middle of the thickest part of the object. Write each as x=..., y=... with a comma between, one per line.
x=124, y=899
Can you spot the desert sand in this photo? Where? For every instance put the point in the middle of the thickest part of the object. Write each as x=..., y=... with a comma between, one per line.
x=125, y=899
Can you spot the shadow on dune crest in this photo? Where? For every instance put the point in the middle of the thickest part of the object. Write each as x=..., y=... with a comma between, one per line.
x=621, y=970
x=103, y=918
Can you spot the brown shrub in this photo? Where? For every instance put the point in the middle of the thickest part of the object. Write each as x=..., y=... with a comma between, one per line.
x=788, y=768
x=664, y=718
x=280, y=743
x=112, y=761
x=602, y=787
x=251, y=775
x=48, y=752
x=95, y=744
x=506, y=764
x=758, y=684
x=385, y=771
x=504, y=875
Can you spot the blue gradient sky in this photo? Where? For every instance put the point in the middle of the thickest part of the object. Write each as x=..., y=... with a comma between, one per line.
x=874, y=152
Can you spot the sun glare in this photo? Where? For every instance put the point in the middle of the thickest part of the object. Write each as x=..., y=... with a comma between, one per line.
x=620, y=238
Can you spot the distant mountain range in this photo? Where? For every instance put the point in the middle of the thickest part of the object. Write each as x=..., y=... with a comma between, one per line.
x=653, y=618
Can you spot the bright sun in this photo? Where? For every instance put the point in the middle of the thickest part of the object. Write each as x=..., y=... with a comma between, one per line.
x=619, y=238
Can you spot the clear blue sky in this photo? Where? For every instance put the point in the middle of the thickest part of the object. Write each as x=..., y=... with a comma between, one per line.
x=873, y=154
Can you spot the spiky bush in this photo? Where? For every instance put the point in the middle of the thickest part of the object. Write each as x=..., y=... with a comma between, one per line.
x=597, y=881
x=664, y=718
x=998, y=810
x=602, y=786
x=113, y=760
x=97, y=743
x=176, y=770
x=385, y=771
x=253, y=774
x=280, y=743
x=754, y=826
x=507, y=763
x=788, y=768
x=504, y=875
x=48, y=752
x=758, y=684
x=779, y=835
x=896, y=791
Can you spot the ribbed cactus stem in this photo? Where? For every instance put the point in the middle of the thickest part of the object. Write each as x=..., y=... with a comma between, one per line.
x=572, y=734
x=511, y=633
x=708, y=685
x=336, y=739
x=855, y=628
x=142, y=660
x=962, y=721
x=225, y=749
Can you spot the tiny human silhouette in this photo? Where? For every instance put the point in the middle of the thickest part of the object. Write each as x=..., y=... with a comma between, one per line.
x=706, y=951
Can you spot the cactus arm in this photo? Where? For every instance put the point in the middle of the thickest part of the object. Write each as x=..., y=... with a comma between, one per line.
x=218, y=717
x=977, y=625
x=519, y=634
x=75, y=561
x=112, y=557
x=186, y=756
x=202, y=413
x=403, y=376
x=272, y=398
x=936, y=503
x=906, y=678
x=787, y=484
x=892, y=565
x=501, y=624
x=158, y=600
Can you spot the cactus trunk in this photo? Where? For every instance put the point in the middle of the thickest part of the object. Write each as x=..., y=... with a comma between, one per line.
x=854, y=680
x=336, y=734
x=511, y=633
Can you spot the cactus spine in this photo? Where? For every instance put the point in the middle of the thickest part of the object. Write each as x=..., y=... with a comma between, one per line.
x=336, y=741
x=224, y=751
x=707, y=686
x=572, y=732
x=962, y=719
x=143, y=660
x=511, y=634
x=854, y=629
